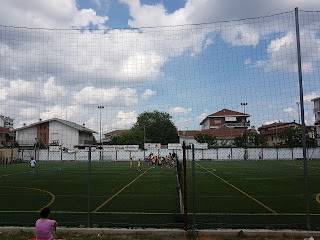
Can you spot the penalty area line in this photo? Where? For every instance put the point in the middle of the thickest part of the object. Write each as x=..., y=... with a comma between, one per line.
x=244, y=193
x=116, y=194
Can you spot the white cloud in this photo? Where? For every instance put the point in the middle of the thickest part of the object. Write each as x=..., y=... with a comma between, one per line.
x=141, y=65
x=29, y=112
x=247, y=61
x=86, y=16
x=180, y=110
x=290, y=111
x=240, y=35
x=202, y=11
x=308, y=97
x=21, y=88
x=47, y=14
x=68, y=113
x=124, y=120
x=110, y=96
x=273, y=121
x=203, y=115
x=51, y=90
x=281, y=49
x=148, y=93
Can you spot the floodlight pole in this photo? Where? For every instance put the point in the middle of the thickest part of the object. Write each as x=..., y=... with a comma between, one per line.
x=244, y=104
x=303, y=125
x=100, y=143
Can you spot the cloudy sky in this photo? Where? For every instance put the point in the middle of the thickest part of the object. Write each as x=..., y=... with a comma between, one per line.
x=190, y=58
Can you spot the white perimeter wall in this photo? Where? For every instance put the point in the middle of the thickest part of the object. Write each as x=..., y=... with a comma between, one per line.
x=221, y=154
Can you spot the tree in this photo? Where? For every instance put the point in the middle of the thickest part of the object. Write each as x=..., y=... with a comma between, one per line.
x=133, y=137
x=250, y=139
x=292, y=137
x=157, y=127
x=206, y=138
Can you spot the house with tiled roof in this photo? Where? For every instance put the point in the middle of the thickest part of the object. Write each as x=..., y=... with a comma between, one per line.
x=227, y=118
x=56, y=132
x=316, y=110
x=225, y=125
x=224, y=135
x=273, y=130
x=108, y=136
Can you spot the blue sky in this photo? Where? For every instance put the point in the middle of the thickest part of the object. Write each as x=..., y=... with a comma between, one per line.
x=130, y=63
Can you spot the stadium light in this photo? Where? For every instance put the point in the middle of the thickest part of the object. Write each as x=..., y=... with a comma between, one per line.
x=244, y=104
x=100, y=158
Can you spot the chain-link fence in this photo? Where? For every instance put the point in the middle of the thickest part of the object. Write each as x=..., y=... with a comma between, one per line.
x=265, y=69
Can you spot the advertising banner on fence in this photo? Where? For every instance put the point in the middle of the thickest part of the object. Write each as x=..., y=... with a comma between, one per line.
x=121, y=147
x=109, y=147
x=152, y=146
x=174, y=146
x=200, y=145
x=131, y=147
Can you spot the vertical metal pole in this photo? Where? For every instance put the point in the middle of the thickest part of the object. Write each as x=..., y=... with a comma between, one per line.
x=100, y=134
x=185, y=186
x=303, y=127
x=193, y=186
x=89, y=186
x=100, y=156
x=61, y=153
x=298, y=104
x=144, y=140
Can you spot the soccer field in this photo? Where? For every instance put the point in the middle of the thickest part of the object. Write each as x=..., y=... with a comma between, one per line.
x=220, y=194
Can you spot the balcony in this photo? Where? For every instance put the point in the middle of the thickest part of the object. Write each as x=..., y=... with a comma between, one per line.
x=238, y=125
x=54, y=143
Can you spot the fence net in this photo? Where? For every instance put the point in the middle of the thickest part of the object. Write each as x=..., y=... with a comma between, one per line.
x=234, y=80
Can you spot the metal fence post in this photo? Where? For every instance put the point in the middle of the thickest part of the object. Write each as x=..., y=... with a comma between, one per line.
x=185, y=186
x=303, y=129
x=89, y=186
x=193, y=186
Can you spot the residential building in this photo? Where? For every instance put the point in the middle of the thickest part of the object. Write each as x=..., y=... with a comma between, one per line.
x=56, y=132
x=225, y=125
x=6, y=137
x=6, y=132
x=316, y=110
x=227, y=118
x=272, y=131
x=224, y=135
x=108, y=136
x=6, y=122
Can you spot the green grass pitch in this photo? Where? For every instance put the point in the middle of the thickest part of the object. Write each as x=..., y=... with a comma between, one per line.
x=225, y=194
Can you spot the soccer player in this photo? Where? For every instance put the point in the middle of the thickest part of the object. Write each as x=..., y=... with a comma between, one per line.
x=131, y=162
x=139, y=165
x=33, y=164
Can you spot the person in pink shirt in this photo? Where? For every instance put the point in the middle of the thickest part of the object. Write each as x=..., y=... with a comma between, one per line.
x=45, y=227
